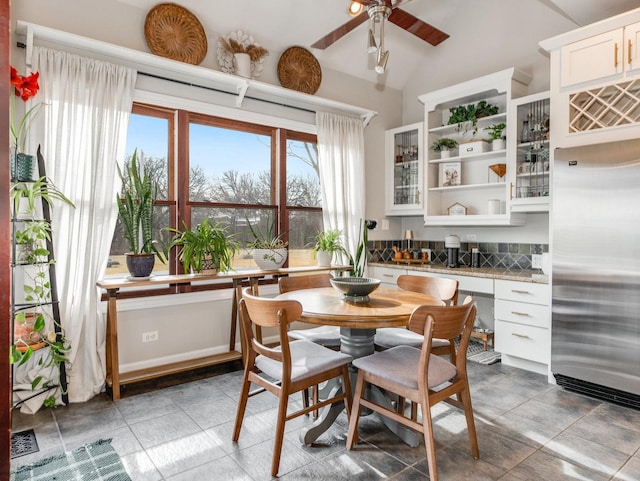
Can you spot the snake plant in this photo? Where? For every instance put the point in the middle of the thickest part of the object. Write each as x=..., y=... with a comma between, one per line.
x=136, y=207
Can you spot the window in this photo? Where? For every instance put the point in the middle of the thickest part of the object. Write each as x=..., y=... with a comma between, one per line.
x=232, y=172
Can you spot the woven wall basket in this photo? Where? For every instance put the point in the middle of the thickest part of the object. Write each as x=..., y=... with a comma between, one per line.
x=174, y=32
x=299, y=70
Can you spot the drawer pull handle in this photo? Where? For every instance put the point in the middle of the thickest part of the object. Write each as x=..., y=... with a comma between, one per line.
x=516, y=291
x=520, y=313
x=615, y=56
x=629, y=52
x=520, y=335
x=387, y=275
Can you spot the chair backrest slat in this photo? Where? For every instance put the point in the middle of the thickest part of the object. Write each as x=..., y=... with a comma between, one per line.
x=265, y=311
x=445, y=289
x=294, y=283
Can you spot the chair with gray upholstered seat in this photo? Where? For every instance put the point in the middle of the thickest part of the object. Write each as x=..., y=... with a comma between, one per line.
x=291, y=367
x=420, y=376
x=443, y=288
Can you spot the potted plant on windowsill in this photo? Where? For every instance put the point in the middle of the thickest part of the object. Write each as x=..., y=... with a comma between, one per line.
x=269, y=250
x=327, y=244
x=136, y=213
x=444, y=145
x=498, y=141
x=207, y=248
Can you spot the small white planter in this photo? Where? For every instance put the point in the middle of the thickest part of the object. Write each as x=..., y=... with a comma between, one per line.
x=269, y=259
x=324, y=258
x=445, y=153
x=498, y=144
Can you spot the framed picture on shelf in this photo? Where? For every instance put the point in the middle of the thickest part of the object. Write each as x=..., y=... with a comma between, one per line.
x=450, y=174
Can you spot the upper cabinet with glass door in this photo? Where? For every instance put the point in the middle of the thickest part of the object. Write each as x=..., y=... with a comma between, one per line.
x=472, y=185
x=529, y=130
x=404, y=170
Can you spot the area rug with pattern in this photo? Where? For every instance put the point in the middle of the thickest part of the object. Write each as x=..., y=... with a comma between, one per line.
x=92, y=462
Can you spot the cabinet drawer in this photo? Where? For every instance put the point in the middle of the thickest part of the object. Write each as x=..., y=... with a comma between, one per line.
x=480, y=285
x=522, y=292
x=529, y=314
x=387, y=275
x=526, y=342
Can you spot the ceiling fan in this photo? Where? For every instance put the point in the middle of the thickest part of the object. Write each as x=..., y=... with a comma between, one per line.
x=376, y=9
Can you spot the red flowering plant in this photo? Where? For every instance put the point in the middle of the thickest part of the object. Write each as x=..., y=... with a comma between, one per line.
x=24, y=87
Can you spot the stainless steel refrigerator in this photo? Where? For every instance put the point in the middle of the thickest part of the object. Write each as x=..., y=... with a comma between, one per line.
x=595, y=240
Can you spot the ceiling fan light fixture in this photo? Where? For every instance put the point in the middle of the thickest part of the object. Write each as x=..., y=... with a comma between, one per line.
x=355, y=8
x=381, y=65
x=372, y=46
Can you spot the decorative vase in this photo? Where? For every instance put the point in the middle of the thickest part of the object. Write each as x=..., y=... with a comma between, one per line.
x=324, y=258
x=269, y=259
x=140, y=265
x=242, y=64
x=21, y=167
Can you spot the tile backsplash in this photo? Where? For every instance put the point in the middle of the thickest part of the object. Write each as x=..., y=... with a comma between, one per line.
x=501, y=255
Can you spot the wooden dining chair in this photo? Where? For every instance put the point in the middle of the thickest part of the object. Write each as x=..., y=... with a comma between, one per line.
x=290, y=367
x=441, y=287
x=328, y=336
x=435, y=379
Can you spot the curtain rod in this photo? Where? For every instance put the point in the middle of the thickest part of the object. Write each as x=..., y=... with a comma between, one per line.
x=190, y=84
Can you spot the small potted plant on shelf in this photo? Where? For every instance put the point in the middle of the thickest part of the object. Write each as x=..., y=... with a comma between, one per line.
x=498, y=141
x=269, y=250
x=327, y=244
x=444, y=145
x=136, y=213
x=207, y=248
x=466, y=116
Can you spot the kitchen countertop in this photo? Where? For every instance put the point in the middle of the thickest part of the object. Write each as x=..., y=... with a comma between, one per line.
x=487, y=272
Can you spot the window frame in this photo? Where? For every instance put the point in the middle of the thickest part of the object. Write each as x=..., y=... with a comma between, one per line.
x=180, y=206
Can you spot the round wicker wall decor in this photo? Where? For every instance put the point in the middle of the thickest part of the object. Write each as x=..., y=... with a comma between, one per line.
x=299, y=70
x=174, y=32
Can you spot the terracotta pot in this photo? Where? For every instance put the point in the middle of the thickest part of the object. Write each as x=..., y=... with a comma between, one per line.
x=23, y=331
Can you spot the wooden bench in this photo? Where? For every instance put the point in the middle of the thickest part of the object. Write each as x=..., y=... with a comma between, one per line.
x=486, y=336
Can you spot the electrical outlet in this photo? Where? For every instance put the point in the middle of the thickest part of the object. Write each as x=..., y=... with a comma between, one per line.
x=536, y=261
x=150, y=336
x=385, y=224
x=471, y=238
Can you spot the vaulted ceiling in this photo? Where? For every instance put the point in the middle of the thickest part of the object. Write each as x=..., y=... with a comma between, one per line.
x=279, y=24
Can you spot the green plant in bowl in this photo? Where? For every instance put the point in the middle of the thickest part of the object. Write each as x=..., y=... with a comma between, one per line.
x=204, y=245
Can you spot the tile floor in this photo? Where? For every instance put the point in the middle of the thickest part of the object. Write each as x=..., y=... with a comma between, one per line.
x=527, y=430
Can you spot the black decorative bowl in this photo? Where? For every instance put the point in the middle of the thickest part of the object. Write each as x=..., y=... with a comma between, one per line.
x=355, y=288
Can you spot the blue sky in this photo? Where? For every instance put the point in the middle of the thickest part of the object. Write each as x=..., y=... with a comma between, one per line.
x=216, y=150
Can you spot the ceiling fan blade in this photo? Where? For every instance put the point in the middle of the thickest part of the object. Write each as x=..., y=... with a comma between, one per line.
x=340, y=32
x=420, y=29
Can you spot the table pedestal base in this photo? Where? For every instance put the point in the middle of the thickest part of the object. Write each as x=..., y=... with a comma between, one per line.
x=357, y=343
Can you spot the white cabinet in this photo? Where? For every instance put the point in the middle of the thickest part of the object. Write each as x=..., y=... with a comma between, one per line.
x=467, y=284
x=529, y=131
x=595, y=82
x=404, y=170
x=522, y=324
x=610, y=55
x=388, y=275
x=475, y=176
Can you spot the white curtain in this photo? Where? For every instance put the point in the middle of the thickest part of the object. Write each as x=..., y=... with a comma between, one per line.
x=342, y=167
x=88, y=104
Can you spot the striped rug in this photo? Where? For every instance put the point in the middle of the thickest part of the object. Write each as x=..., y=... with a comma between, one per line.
x=92, y=462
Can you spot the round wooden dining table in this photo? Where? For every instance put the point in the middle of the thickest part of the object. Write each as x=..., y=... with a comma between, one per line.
x=358, y=321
